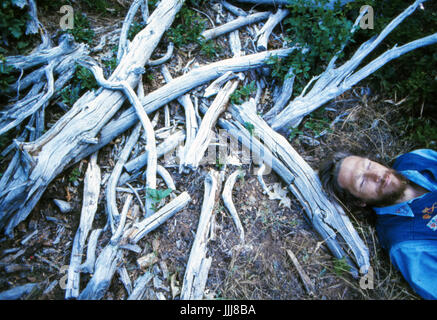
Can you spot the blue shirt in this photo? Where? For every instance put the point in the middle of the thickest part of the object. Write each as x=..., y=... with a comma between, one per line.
x=408, y=230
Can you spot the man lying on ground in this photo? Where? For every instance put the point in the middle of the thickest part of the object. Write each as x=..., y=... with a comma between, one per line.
x=404, y=199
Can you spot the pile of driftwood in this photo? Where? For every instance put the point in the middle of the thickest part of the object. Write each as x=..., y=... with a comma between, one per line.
x=97, y=118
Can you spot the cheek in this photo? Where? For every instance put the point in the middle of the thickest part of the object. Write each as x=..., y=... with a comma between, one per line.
x=369, y=191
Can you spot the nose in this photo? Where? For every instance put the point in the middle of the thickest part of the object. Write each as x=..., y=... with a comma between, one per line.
x=374, y=175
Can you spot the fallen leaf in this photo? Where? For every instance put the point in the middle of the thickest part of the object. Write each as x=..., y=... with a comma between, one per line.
x=280, y=194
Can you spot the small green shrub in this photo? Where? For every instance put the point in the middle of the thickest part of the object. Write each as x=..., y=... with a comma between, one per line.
x=189, y=28
x=82, y=31
x=74, y=175
x=157, y=195
x=6, y=74
x=82, y=80
x=13, y=20
x=423, y=131
x=85, y=78
x=209, y=48
x=240, y=95
x=322, y=31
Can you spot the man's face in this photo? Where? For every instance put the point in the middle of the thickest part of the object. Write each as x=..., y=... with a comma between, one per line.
x=371, y=182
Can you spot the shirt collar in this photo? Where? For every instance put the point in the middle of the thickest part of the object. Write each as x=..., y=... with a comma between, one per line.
x=400, y=209
x=403, y=209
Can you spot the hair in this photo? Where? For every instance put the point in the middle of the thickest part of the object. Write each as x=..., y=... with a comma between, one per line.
x=328, y=174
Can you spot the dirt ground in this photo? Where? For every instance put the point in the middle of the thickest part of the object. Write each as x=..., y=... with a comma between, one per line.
x=261, y=268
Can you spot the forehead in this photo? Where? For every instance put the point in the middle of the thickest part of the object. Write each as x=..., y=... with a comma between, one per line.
x=348, y=168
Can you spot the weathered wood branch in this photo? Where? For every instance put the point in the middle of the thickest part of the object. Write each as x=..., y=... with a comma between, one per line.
x=44, y=56
x=123, y=45
x=217, y=84
x=191, y=124
x=23, y=109
x=193, y=155
x=308, y=284
x=166, y=176
x=233, y=9
x=196, y=272
x=163, y=148
x=106, y=265
x=19, y=291
x=267, y=29
x=124, y=278
x=140, y=286
x=235, y=24
x=111, y=195
x=91, y=113
x=284, y=97
x=229, y=204
x=140, y=229
x=164, y=58
x=88, y=265
x=328, y=218
x=90, y=201
x=144, y=119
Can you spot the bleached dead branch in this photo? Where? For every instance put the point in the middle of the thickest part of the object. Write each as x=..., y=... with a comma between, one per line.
x=89, y=208
x=196, y=272
x=229, y=204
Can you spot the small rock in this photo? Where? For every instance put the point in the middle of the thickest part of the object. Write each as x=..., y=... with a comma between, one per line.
x=64, y=206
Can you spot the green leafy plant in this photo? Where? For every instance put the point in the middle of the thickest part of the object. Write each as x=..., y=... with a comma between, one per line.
x=341, y=266
x=219, y=164
x=82, y=80
x=210, y=48
x=12, y=20
x=240, y=95
x=82, y=31
x=157, y=195
x=6, y=74
x=70, y=94
x=13, y=24
x=295, y=132
x=189, y=28
x=74, y=175
x=322, y=31
x=314, y=124
x=86, y=78
x=250, y=127
x=99, y=5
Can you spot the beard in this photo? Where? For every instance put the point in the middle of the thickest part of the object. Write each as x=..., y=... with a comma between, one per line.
x=390, y=198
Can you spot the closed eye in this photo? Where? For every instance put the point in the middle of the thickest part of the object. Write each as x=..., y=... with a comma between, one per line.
x=363, y=178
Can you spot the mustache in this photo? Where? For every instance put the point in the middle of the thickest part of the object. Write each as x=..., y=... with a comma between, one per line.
x=391, y=172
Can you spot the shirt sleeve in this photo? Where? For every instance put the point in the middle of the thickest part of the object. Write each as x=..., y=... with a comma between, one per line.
x=417, y=261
